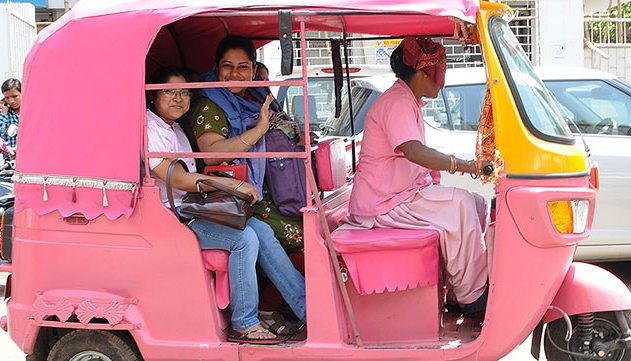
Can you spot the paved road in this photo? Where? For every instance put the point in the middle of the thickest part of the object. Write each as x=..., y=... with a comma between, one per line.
x=10, y=352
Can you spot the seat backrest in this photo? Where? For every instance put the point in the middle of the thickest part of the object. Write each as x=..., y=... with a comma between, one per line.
x=298, y=107
x=331, y=164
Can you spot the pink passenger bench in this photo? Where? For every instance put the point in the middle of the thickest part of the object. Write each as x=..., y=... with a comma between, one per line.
x=395, y=273
x=216, y=260
x=395, y=288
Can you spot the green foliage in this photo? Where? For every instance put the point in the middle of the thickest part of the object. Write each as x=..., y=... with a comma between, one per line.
x=611, y=32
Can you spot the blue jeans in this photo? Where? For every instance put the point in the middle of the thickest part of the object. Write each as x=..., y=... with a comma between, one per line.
x=255, y=241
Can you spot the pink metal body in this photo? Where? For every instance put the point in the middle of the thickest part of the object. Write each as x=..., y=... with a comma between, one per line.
x=133, y=265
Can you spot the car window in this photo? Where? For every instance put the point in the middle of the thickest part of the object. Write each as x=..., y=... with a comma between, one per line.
x=363, y=98
x=595, y=106
x=434, y=112
x=321, y=101
x=465, y=105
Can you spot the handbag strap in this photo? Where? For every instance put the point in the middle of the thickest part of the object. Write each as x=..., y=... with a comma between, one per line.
x=222, y=187
x=170, y=187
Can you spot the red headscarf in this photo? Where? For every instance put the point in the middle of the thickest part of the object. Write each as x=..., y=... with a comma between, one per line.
x=421, y=53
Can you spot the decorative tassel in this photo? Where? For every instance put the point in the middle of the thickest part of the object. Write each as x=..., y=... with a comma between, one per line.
x=133, y=197
x=45, y=192
x=105, y=202
x=74, y=190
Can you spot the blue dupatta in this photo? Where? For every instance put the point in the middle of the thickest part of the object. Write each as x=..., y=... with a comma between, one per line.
x=242, y=115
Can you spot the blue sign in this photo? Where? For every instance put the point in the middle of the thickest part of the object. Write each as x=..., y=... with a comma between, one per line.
x=36, y=3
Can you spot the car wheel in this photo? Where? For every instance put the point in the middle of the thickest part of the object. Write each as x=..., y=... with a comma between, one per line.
x=82, y=345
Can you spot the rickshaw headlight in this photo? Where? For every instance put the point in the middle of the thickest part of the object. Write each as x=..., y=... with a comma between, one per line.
x=581, y=213
x=569, y=216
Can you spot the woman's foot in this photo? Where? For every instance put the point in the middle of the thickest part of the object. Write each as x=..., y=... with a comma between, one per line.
x=477, y=308
x=254, y=335
x=275, y=322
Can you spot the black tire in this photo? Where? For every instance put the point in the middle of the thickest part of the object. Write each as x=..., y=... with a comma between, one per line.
x=604, y=322
x=92, y=343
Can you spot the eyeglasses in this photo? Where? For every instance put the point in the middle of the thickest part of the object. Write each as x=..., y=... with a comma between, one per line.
x=172, y=93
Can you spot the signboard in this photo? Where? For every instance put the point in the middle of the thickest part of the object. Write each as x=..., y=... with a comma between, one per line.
x=384, y=48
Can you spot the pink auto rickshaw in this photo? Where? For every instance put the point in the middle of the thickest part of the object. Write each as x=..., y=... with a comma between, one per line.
x=101, y=270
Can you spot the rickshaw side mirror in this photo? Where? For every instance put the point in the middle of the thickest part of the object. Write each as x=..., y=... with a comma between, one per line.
x=286, y=42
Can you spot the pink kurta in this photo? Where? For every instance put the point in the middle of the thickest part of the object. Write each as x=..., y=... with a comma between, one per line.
x=389, y=191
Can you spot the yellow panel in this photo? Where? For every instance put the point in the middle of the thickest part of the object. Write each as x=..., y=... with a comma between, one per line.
x=523, y=152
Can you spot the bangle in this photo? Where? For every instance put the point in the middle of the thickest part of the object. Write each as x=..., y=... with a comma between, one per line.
x=453, y=164
x=245, y=141
x=238, y=185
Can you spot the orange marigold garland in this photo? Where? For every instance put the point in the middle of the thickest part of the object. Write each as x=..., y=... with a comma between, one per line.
x=485, y=151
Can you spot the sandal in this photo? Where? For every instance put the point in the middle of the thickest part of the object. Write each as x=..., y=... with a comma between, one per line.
x=247, y=337
x=276, y=323
x=301, y=332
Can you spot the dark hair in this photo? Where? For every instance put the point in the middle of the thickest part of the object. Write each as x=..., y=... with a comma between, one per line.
x=236, y=42
x=160, y=76
x=260, y=65
x=10, y=84
x=400, y=69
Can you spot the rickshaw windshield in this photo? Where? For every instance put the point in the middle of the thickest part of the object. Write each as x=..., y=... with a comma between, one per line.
x=538, y=108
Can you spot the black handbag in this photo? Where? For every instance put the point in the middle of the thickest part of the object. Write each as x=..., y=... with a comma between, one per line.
x=225, y=205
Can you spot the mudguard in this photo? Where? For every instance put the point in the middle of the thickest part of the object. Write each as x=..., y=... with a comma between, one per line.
x=588, y=288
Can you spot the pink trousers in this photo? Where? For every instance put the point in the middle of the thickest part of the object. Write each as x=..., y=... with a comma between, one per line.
x=460, y=217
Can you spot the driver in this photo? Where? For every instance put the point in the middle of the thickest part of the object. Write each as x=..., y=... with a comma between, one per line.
x=396, y=185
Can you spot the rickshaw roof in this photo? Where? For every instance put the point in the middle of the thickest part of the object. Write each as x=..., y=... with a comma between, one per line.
x=84, y=101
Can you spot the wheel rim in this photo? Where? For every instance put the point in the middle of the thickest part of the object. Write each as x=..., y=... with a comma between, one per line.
x=90, y=356
x=603, y=329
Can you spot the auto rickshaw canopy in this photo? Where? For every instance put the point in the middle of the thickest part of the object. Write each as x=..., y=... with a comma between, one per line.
x=84, y=107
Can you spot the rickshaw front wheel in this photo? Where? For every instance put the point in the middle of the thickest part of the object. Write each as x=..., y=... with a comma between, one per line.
x=96, y=345
x=605, y=332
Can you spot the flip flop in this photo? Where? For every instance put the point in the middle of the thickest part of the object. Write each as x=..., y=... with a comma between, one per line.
x=245, y=337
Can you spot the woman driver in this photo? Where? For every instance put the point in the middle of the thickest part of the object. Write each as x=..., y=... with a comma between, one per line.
x=394, y=144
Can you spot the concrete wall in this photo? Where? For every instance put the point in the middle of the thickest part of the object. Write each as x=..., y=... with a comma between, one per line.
x=616, y=63
x=561, y=33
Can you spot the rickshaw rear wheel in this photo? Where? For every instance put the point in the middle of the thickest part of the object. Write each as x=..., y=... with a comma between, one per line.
x=605, y=328
x=96, y=345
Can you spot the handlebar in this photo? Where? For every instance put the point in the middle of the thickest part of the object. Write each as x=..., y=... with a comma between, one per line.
x=487, y=170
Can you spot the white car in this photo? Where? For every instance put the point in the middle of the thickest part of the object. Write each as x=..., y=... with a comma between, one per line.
x=321, y=91
x=595, y=103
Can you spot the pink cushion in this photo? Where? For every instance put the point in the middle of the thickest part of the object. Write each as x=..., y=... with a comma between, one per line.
x=217, y=260
x=377, y=239
x=331, y=164
x=384, y=259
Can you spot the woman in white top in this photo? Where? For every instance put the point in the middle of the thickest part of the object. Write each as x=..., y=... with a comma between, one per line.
x=164, y=134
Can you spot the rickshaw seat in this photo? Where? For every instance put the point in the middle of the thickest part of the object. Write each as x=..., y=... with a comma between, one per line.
x=216, y=260
x=386, y=259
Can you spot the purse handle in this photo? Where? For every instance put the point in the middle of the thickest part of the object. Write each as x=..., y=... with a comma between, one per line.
x=222, y=187
x=170, y=187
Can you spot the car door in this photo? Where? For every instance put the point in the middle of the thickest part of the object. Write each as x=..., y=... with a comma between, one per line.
x=601, y=111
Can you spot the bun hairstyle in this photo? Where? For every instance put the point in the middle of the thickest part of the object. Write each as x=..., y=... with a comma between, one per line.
x=400, y=69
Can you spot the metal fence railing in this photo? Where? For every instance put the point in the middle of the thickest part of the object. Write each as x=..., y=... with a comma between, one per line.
x=608, y=30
